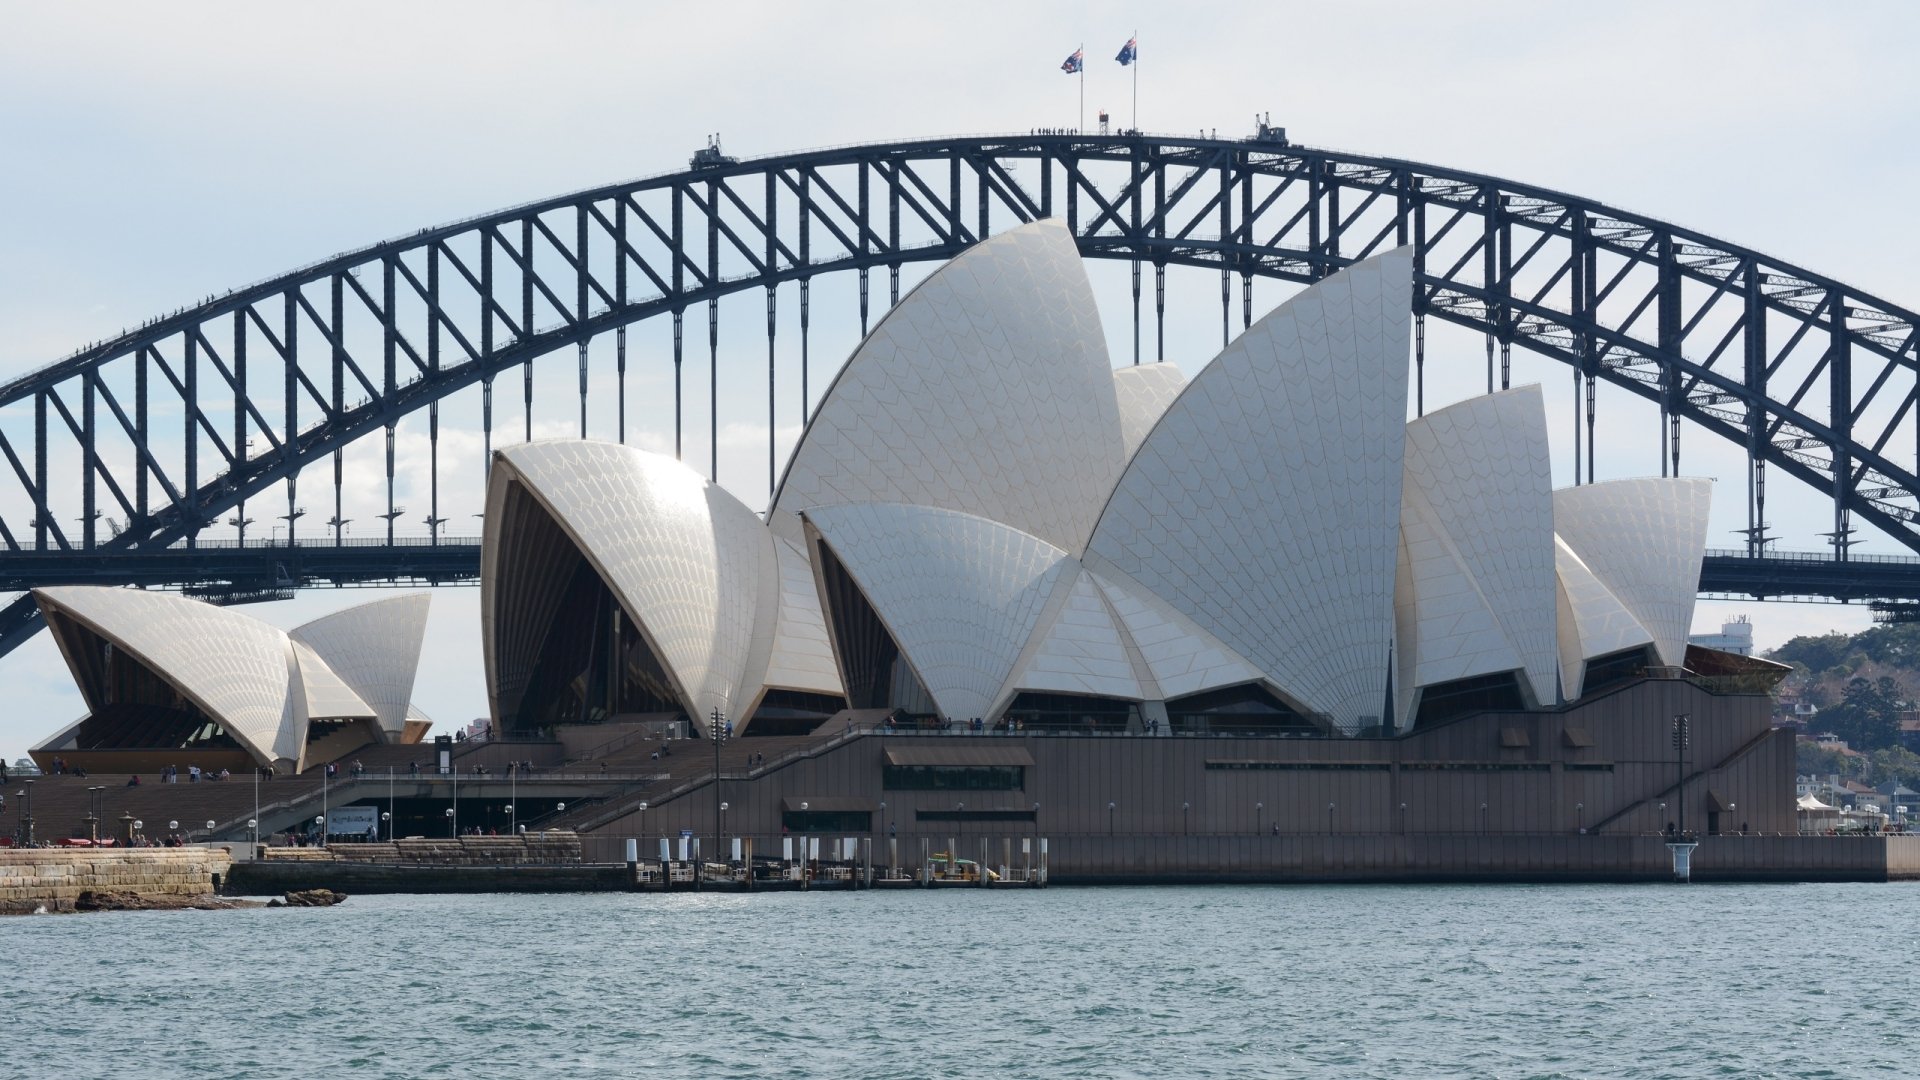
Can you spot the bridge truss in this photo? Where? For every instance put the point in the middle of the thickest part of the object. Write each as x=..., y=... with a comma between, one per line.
x=118, y=457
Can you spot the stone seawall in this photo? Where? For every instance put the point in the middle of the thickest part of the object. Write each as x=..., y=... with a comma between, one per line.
x=53, y=878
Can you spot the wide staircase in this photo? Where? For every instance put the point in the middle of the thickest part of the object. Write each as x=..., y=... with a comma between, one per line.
x=61, y=803
x=687, y=762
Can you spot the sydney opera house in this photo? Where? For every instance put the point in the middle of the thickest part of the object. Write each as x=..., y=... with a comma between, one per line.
x=986, y=521
x=986, y=527
x=1270, y=590
x=170, y=681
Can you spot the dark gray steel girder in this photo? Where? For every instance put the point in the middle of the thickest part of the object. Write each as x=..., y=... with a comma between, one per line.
x=1567, y=277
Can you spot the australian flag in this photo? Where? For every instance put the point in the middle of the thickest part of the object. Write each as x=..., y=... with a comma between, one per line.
x=1129, y=52
x=1075, y=62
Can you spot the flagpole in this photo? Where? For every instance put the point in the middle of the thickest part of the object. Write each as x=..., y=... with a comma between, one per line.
x=1083, y=88
x=1136, y=80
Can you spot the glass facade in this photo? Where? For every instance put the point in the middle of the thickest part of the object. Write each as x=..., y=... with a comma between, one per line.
x=953, y=777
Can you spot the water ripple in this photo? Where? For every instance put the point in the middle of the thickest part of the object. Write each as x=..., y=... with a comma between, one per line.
x=1504, y=982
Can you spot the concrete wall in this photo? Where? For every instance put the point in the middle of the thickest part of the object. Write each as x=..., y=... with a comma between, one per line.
x=1244, y=786
x=54, y=877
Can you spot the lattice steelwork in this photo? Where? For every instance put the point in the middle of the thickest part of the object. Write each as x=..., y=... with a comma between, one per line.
x=119, y=456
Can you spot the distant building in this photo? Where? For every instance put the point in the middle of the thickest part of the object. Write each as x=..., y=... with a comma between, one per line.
x=1735, y=636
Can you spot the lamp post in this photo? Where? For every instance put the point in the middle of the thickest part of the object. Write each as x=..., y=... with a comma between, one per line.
x=93, y=813
x=1580, y=817
x=1185, y=829
x=511, y=831
x=320, y=828
x=453, y=827
x=173, y=830
x=1483, y=819
x=1329, y=819
x=1110, y=809
x=1259, y=818
x=386, y=826
x=1662, y=823
x=139, y=828
x=716, y=730
x=643, y=817
x=1682, y=738
x=720, y=853
x=1403, y=819
x=253, y=829
x=210, y=825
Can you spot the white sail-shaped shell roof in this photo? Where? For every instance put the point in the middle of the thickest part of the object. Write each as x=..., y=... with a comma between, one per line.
x=802, y=657
x=986, y=391
x=1445, y=625
x=960, y=595
x=1265, y=505
x=320, y=693
x=1179, y=656
x=1081, y=647
x=259, y=684
x=1644, y=540
x=1477, y=518
x=375, y=650
x=1144, y=391
x=1592, y=621
x=689, y=563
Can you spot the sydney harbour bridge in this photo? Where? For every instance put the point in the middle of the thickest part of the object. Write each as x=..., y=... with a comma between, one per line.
x=119, y=457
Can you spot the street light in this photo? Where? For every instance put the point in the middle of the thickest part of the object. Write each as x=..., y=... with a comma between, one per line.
x=139, y=827
x=1580, y=817
x=1184, y=829
x=93, y=813
x=25, y=795
x=1329, y=819
x=210, y=832
x=320, y=828
x=1483, y=819
x=386, y=824
x=1110, y=808
x=643, y=817
x=253, y=827
x=451, y=827
x=1259, y=818
x=1403, y=819
x=510, y=820
x=1662, y=823
x=724, y=807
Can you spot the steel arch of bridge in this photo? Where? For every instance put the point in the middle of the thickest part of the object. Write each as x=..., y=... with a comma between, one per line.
x=1808, y=375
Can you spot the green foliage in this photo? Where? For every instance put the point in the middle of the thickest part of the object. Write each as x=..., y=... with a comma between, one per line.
x=1812, y=759
x=1897, y=763
x=1868, y=716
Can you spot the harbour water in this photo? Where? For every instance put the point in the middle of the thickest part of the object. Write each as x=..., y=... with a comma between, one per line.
x=1546, y=981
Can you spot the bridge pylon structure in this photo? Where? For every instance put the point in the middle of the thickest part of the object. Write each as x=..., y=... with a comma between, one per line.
x=119, y=457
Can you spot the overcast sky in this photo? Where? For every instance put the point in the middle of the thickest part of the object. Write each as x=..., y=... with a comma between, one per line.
x=152, y=154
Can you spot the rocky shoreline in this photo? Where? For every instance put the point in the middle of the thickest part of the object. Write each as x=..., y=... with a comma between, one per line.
x=121, y=900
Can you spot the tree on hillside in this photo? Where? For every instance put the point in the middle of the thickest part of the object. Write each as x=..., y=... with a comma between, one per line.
x=1897, y=763
x=1868, y=716
x=1812, y=759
